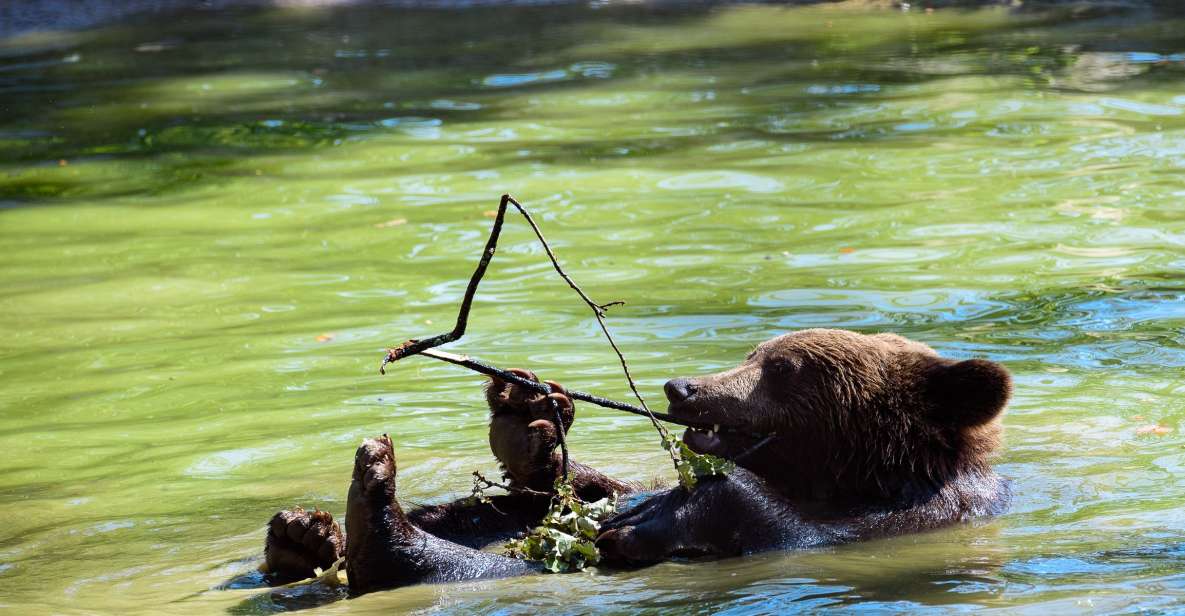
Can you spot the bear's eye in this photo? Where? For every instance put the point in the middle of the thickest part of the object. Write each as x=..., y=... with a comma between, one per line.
x=783, y=365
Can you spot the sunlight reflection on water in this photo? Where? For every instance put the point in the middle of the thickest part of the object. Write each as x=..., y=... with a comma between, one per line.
x=211, y=235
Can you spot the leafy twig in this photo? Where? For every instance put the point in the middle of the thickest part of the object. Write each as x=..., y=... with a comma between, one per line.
x=480, y=483
x=565, y=539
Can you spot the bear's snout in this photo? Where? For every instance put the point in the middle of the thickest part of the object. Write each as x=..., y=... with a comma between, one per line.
x=679, y=390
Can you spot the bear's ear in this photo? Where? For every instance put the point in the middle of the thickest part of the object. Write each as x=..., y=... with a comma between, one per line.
x=967, y=393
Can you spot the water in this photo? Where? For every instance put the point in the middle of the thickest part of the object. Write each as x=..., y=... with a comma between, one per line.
x=212, y=227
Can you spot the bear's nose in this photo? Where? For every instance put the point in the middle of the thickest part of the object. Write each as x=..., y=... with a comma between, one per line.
x=679, y=390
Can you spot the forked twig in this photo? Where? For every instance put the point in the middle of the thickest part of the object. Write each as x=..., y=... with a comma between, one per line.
x=597, y=309
x=413, y=347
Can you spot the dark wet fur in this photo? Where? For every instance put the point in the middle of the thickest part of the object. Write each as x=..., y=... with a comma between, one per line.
x=876, y=436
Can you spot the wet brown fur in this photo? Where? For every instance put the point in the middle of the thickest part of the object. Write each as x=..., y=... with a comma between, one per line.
x=876, y=435
x=861, y=419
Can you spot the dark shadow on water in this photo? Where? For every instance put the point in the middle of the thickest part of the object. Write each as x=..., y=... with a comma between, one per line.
x=135, y=94
x=273, y=599
x=294, y=599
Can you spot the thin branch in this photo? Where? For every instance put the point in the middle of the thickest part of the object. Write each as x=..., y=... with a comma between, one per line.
x=478, y=478
x=475, y=365
x=598, y=312
x=414, y=347
x=758, y=445
x=411, y=347
x=560, y=436
x=599, y=309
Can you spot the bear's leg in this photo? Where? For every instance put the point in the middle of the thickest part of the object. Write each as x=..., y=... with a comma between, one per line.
x=476, y=524
x=646, y=534
x=384, y=549
x=299, y=541
x=721, y=517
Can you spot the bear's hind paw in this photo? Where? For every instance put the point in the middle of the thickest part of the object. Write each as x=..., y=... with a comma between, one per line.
x=300, y=541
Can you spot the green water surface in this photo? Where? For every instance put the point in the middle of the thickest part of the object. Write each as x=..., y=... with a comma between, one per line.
x=213, y=223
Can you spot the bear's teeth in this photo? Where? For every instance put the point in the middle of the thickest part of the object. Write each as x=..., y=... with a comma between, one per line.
x=711, y=433
x=715, y=427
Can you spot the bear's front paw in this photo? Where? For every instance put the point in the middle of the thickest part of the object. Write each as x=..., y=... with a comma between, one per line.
x=616, y=545
x=299, y=541
x=507, y=398
x=523, y=432
x=627, y=545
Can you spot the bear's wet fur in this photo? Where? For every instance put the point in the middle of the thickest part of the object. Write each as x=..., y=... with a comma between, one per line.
x=875, y=435
x=861, y=420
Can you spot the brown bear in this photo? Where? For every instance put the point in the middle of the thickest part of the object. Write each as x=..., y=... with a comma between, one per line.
x=874, y=435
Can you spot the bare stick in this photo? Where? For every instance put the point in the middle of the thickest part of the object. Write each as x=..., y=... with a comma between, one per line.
x=411, y=347
x=475, y=365
x=758, y=445
x=559, y=435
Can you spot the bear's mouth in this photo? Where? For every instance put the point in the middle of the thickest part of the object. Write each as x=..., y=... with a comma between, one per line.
x=705, y=440
x=725, y=442
x=706, y=435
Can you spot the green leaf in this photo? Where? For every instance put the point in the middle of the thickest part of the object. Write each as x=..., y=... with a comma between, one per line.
x=693, y=466
x=564, y=540
x=587, y=527
x=554, y=564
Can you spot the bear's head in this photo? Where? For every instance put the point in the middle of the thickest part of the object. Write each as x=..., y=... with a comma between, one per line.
x=860, y=420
